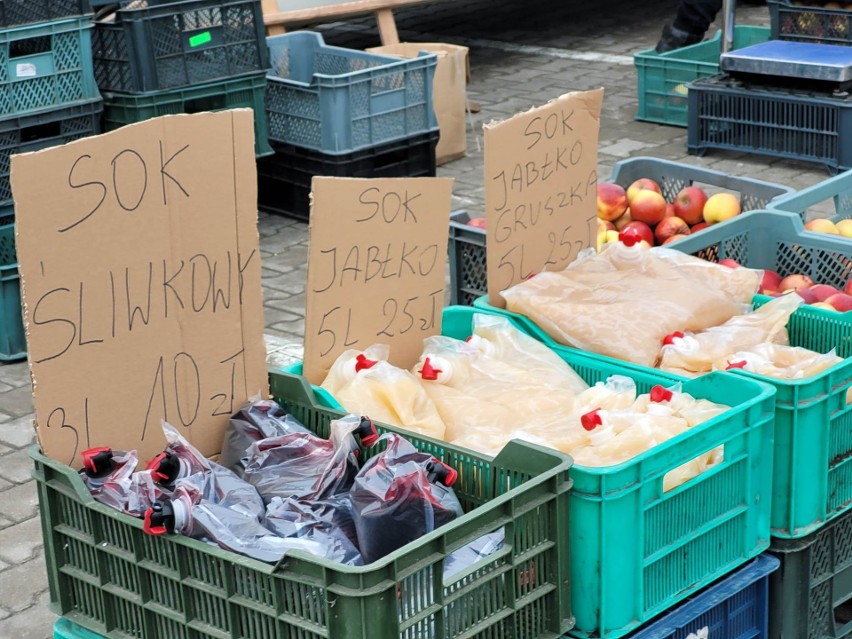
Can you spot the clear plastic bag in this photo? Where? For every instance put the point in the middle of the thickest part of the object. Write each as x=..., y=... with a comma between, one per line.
x=477, y=550
x=397, y=498
x=779, y=361
x=257, y=419
x=365, y=383
x=305, y=466
x=329, y=523
x=107, y=473
x=179, y=459
x=697, y=352
x=625, y=300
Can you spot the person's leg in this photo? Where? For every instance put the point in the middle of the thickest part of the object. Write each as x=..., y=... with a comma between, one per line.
x=693, y=19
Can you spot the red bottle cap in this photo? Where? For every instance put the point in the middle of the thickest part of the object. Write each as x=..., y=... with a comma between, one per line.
x=429, y=373
x=629, y=237
x=149, y=528
x=89, y=457
x=740, y=364
x=661, y=394
x=592, y=419
x=362, y=363
x=669, y=339
x=154, y=467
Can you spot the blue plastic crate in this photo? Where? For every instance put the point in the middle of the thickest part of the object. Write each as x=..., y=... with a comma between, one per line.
x=339, y=100
x=835, y=192
x=46, y=66
x=735, y=607
x=13, y=344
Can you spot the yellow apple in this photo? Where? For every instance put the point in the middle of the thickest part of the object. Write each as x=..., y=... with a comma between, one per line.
x=721, y=207
x=844, y=227
x=821, y=225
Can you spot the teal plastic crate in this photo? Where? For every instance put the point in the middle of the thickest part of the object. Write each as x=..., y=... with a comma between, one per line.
x=833, y=197
x=15, y=12
x=46, y=66
x=663, y=77
x=107, y=575
x=635, y=550
x=237, y=93
x=13, y=343
x=338, y=100
x=64, y=629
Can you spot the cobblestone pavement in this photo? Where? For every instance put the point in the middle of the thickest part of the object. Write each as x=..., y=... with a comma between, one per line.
x=522, y=54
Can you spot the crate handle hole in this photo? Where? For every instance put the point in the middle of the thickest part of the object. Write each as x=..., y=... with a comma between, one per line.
x=200, y=105
x=41, y=131
x=696, y=467
x=843, y=617
x=30, y=46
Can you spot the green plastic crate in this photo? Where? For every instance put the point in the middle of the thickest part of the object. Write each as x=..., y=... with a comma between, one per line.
x=64, y=629
x=663, y=77
x=238, y=93
x=108, y=576
x=833, y=197
x=13, y=343
x=636, y=551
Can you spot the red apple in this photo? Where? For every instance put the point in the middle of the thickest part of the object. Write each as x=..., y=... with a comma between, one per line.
x=841, y=302
x=642, y=184
x=604, y=226
x=771, y=281
x=670, y=211
x=823, y=291
x=699, y=227
x=478, y=222
x=649, y=207
x=689, y=204
x=795, y=282
x=612, y=201
x=623, y=221
x=673, y=238
x=806, y=294
x=670, y=226
x=848, y=289
x=729, y=263
x=641, y=229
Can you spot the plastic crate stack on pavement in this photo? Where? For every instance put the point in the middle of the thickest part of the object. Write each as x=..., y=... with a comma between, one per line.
x=48, y=96
x=344, y=113
x=790, y=100
x=154, y=58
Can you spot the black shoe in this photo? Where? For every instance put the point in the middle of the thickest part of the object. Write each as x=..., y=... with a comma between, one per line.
x=675, y=39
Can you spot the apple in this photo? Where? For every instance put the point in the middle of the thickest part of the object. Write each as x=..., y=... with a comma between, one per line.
x=795, y=282
x=841, y=302
x=806, y=294
x=844, y=227
x=689, y=204
x=670, y=226
x=823, y=291
x=477, y=222
x=823, y=305
x=642, y=184
x=641, y=229
x=605, y=225
x=721, y=207
x=848, y=289
x=670, y=211
x=822, y=225
x=771, y=281
x=699, y=227
x=648, y=206
x=612, y=201
x=673, y=238
x=729, y=263
x=623, y=221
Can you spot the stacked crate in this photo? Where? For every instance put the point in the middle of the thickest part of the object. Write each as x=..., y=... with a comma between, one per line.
x=342, y=113
x=155, y=58
x=48, y=96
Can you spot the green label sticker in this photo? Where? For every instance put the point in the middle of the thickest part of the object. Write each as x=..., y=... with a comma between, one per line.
x=199, y=39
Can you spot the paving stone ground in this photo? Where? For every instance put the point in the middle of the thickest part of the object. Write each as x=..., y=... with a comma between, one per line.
x=522, y=54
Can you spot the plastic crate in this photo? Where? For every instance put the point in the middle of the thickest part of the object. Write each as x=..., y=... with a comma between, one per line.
x=108, y=576
x=21, y=134
x=835, y=192
x=786, y=123
x=64, y=629
x=339, y=100
x=663, y=77
x=13, y=344
x=735, y=607
x=16, y=12
x=468, y=268
x=246, y=92
x=811, y=595
x=284, y=179
x=468, y=276
x=178, y=44
x=809, y=23
x=813, y=451
x=45, y=66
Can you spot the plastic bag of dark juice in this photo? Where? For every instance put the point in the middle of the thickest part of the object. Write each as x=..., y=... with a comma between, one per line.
x=256, y=420
x=400, y=495
x=305, y=466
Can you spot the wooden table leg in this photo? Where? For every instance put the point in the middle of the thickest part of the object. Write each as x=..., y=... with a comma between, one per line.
x=269, y=7
x=387, y=26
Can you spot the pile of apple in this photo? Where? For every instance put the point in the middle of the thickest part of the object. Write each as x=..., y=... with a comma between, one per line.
x=815, y=295
x=822, y=225
x=642, y=211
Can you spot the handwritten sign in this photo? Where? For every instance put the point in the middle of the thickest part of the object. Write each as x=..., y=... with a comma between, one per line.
x=375, y=267
x=540, y=189
x=140, y=269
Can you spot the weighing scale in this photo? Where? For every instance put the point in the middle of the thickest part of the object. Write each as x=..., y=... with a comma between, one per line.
x=798, y=62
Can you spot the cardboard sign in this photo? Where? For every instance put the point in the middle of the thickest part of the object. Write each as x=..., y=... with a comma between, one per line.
x=540, y=189
x=140, y=270
x=375, y=267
